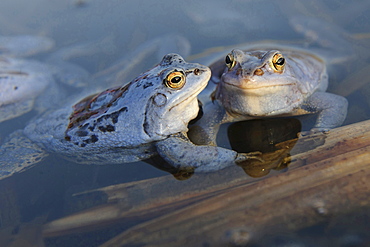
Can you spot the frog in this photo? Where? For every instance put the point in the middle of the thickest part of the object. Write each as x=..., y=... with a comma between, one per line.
x=21, y=82
x=146, y=117
x=267, y=81
x=27, y=83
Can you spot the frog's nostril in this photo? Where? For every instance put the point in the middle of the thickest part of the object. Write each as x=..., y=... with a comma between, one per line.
x=258, y=72
x=196, y=71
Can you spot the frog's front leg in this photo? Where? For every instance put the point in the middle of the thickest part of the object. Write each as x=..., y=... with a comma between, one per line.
x=181, y=153
x=331, y=109
x=204, y=131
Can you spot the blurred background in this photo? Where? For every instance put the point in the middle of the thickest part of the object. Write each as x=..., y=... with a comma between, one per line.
x=113, y=32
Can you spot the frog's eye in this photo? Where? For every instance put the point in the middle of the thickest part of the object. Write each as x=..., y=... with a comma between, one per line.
x=175, y=80
x=278, y=62
x=230, y=61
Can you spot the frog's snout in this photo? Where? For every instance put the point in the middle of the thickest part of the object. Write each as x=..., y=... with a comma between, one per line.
x=245, y=73
x=203, y=71
x=200, y=69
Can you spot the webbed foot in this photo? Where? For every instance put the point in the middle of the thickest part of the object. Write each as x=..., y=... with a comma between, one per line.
x=19, y=153
x=313, y=131
x=241, y=157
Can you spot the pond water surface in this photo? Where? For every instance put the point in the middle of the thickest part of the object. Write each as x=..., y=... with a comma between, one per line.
x=117, y=30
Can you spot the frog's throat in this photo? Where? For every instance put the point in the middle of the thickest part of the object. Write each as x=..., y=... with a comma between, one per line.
x=189, y=98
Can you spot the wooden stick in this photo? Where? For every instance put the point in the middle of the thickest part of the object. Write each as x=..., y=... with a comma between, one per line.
x=334, y=181
x=228, y=206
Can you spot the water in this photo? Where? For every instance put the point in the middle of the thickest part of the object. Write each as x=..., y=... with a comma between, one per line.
x=121, y=29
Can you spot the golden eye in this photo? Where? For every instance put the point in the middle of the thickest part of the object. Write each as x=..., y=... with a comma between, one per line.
x=175, y=80
x=278, y=62
x=230, y=61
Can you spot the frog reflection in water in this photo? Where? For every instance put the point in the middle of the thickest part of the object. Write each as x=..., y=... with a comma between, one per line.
x=134, y=122
x=275, y=138
x=260, y=83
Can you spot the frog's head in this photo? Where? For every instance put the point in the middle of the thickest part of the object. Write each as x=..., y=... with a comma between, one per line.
x=173, y=101
x=256, y=71
x=157, y=103
x=253, y=80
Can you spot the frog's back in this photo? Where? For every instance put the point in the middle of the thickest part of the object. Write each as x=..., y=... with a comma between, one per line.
x=112, y=118
x=99, y=123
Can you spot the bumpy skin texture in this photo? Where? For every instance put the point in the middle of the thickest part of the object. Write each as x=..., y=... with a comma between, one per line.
x=256, y=84
x=146, y=117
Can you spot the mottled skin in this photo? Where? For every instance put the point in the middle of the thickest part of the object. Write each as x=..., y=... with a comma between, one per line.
x=269, y=83
x=146, y=117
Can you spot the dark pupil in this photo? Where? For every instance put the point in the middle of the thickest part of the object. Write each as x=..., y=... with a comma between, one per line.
x=228, y=60
x=176, y=79
x=280, y=61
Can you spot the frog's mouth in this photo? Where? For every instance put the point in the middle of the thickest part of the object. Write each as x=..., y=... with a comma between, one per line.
x=254, y=86
x=176, y=118
x=188, y=99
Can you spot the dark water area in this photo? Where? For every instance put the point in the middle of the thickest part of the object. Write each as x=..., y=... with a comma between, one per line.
x=134, y=35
